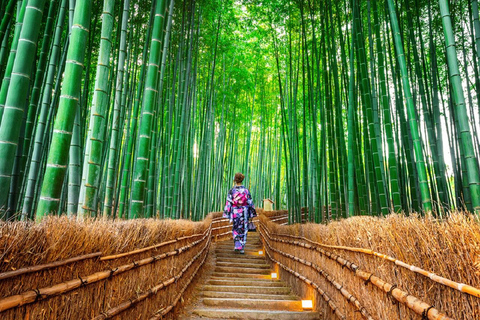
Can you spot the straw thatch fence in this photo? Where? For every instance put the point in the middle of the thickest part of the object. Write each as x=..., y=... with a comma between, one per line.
x=361, y=268
x=380, y=268
x=98, y=269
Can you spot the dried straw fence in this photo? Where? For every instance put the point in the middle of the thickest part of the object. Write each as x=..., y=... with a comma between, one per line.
x=380, y=268
x=99, y=269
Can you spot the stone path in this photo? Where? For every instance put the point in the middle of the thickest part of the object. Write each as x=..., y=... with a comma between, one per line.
x=241, y=287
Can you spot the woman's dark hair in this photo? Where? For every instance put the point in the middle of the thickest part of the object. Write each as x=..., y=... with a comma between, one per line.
x=239, y=177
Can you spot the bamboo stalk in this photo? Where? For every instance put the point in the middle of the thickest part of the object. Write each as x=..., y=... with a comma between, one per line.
x=40, y=267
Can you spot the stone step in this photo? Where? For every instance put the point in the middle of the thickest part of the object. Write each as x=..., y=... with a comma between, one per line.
x=242, y=270
x=255, y=314
x=264, y=304
x=242, y=264
x=247, y=247
x=241, y=275
x=260, y=260
x=247, y=289
x=243, y=282
x=232, y=254
x=234, y=295
x=231, y=250
x=250, y=242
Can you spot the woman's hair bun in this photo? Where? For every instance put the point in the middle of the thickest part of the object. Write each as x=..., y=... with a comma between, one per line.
x=239, y=177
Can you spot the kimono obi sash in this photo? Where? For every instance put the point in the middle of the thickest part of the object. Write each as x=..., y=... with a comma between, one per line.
x=239, y=199
x=239, y=203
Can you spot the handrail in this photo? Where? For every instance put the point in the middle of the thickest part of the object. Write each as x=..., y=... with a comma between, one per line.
x=156, y=246
x=164, y=311
x=40, y=267
x=324, y=295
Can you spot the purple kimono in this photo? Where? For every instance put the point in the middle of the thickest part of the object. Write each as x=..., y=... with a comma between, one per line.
x=240, y=209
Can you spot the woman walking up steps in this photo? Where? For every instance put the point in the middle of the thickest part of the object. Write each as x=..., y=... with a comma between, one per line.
x=239, y=209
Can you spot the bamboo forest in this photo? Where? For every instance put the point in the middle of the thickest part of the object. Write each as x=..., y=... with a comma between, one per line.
x=138, y=138
x=130, y=109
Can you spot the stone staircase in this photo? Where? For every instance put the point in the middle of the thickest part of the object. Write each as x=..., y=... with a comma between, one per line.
x=241, y=288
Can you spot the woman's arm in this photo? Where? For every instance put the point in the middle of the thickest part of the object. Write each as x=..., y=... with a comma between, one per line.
x=227, y=211
x=251, y=207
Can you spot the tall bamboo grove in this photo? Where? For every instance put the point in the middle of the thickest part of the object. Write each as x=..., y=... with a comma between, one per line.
x=146, y=109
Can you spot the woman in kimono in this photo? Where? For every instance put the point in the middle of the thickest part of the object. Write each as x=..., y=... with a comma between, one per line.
x=239, y=209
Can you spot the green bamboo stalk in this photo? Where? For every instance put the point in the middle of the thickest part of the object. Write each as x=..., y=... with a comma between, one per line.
x=139, y=176
x=420, y=159
x=17, y=95
x=470, y=159
x=70, y=95
x=92, y=163
x=114, y=141
x=351, y=138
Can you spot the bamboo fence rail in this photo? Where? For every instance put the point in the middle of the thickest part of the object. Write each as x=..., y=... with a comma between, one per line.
x=40, y=267
x=322, y=293
x=348, y=296
x=142, y=296
x=156, y=246
x=462, y=287
x=413, y=303
x=38, y=294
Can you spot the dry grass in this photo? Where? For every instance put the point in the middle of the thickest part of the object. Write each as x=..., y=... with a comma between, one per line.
x=25, y=244
x=449, y=248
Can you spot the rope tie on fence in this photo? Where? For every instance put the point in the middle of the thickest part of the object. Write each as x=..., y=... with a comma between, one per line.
x=390, y=295
x=369, y=279
x=83, y=282
x=112, y=271
x=425, y=312
x=38, y=294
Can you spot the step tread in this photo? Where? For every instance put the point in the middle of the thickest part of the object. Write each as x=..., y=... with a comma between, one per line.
x=239, y=282
x=241, y=275
x=256, y=314
x=240, y=264
x=246, y=289
x=264, y=296
x=258, y=304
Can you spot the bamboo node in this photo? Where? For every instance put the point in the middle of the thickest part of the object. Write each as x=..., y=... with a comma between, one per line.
x=425, y=312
